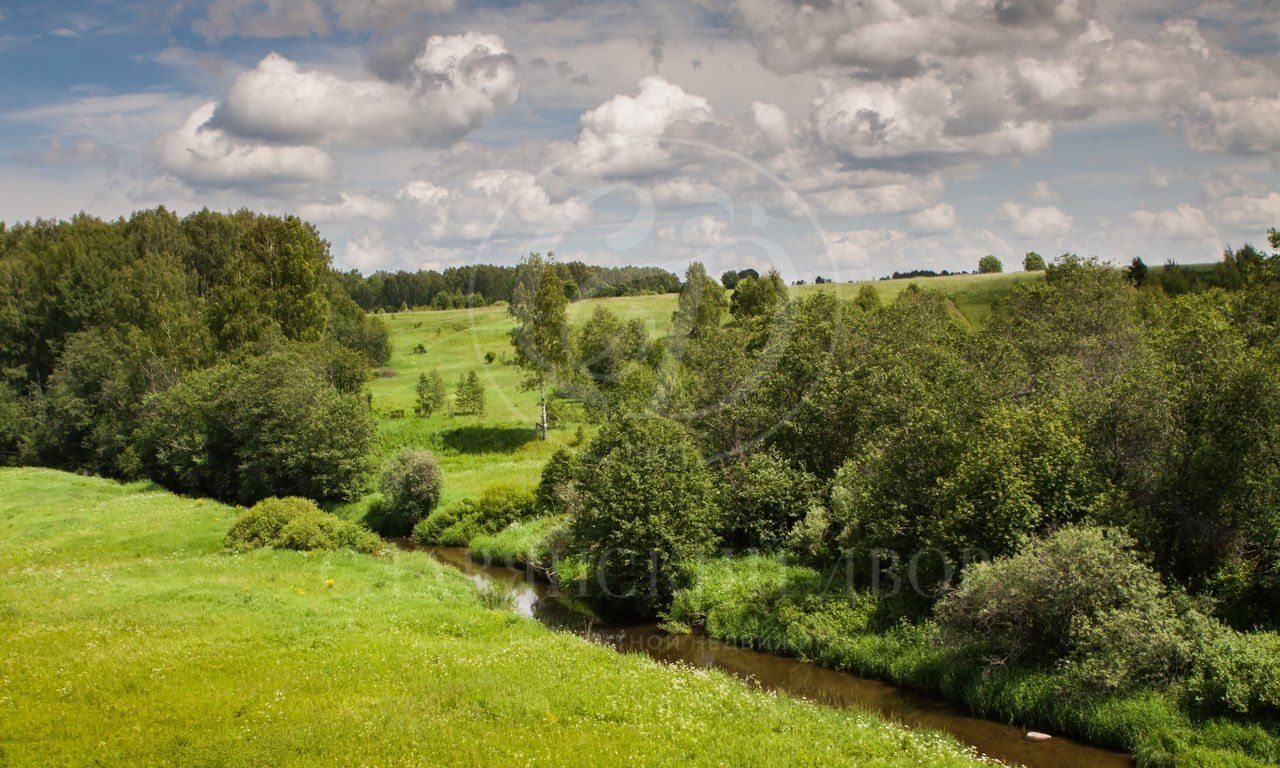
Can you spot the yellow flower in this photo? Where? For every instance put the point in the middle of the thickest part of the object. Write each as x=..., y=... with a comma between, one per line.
x=328, y=582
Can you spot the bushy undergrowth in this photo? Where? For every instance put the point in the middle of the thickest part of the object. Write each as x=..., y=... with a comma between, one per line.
x=768, y=604
x=411, y=486
x=529, y=542
x=296, y=523
x=457, y=525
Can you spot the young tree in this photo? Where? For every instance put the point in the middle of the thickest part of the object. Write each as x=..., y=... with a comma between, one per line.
x=540, y=337
x=729, y=279
x=1033, y=262
x=702, y=303
x=469, y=395
x=430, y=392
x=758, y=298
x=1136, y=273
x=989, y=265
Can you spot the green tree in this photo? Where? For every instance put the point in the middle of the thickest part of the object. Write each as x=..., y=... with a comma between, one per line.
x=1032, y=262
x=411, y=486
x=540, y=337
x=758, y=298
x=469, y=395
x=1136, y=273
x=430, y=393
x=647, y=508
x=729, y=279
x=701, y=305
x=762, y=498
x=989, y=265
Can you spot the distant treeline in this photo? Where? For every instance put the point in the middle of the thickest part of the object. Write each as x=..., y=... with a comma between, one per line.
x=483, y=284
x=914, y=273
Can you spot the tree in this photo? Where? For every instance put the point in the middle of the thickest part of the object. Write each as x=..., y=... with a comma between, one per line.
x=541, y=334
x=411, y=486
x=729, y=279
x=430, y=393
x=758, y=298
x=647, y=509
x=701, y=304
x=1032, y=262
x=989, y=265
x=469, y=394
x=762, y=499
x=868, y=297
x=1136, y=272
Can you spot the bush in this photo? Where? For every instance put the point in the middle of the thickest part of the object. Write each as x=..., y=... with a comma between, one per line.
x=557, y=491
x=262, y=524
x=295, y=523
x=1081, y=598
x=411, y=486
x=531, y=542
x=455, y=526
x=648, y=509
x=1237, y=672
x=762, y=499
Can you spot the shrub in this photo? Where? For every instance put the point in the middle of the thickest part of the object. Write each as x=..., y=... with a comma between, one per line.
x=1081, y=598
x=455, y=526
x=557, y=490
x=1237, y=672
x=261, y=525
x=648, y=508
x=762, y=498
x=428, y=530
x=295, y=523
x=411, y=486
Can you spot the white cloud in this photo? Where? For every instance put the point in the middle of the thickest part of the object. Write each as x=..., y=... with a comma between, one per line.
x=623, y=136
x=349, y=207
x=1184, y=221
x=699, y=232
x=202, y=155
x=455, y=84
x=939, y=218
x=1036, y=222
x=499, y=201
x=1044, y=193
x=1241, y=203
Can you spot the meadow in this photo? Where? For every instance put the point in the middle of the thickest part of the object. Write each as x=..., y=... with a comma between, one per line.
x=131, y=638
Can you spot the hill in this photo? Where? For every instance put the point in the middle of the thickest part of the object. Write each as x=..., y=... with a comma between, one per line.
x=130, y=638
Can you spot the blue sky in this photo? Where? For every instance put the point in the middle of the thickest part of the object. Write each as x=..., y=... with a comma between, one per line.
x=847, y=139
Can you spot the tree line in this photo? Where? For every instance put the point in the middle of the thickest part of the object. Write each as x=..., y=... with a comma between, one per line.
x=483, y=284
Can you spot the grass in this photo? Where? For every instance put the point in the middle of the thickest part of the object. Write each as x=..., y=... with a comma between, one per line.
x=131, y=638
x=761, y=602
x=520, y=544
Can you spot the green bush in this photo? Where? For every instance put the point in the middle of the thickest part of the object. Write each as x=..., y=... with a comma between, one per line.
x=262, y=524
x=1237, y=672
x=456, y=525
x=557, y=491
x=428, y=530
x=296, y=523
x=762, y=499
x=411, y=486
x=529, y=542
x=648, y=510
x=1081, y=597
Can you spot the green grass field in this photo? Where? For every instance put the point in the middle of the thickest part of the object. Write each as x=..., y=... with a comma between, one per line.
x=501, y=446
x=129, y=638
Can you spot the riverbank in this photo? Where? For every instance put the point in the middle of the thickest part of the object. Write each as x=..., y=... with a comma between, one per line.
x=760, y=602
x=131, y=638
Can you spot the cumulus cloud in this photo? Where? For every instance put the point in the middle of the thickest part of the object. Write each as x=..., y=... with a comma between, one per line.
x=1184, y=221
x=349, y=207
x=699, y=232
x=1242, y=203
x=456, y=83
x=624, y=135
x=875, y=252
x=939, y=218
x=1035, y=222
x=499, y=201
x=202, y=155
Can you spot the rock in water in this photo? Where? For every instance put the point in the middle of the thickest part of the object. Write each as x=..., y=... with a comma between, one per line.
x=1037, y=736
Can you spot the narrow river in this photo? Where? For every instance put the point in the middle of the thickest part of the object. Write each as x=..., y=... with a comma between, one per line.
x=534, y=598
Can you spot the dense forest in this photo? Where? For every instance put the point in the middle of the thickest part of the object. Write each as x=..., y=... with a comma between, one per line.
x=217, y=353
x=483, y=284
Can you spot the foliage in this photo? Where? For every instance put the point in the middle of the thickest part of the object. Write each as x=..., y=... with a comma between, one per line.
x=497, y=507
x=758, y=297
x=296, y=523
x=468, y=396
x=533, y=542
x=557, y=491
x=1031, y=262
x=701, y=305
x=989, y=264
x=541, y=332
x=429, y=393
x=411, y=485
x=648, y=508
x=762, y=498
x=266, y=427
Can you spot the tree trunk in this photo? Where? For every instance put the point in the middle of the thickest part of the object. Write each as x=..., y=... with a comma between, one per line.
x=542, y=400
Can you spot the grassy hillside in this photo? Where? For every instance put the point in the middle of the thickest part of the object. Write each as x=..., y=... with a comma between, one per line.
x=129, y=638
x=478, y=451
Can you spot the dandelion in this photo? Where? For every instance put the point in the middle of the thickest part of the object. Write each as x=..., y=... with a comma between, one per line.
x=328, y=583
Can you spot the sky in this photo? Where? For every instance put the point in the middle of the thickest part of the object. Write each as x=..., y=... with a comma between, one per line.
x=840, y=138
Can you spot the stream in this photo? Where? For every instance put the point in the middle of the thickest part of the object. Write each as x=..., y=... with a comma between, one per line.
x=535, y=598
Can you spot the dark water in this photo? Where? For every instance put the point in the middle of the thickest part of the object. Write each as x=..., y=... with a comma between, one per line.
x=536, y=598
